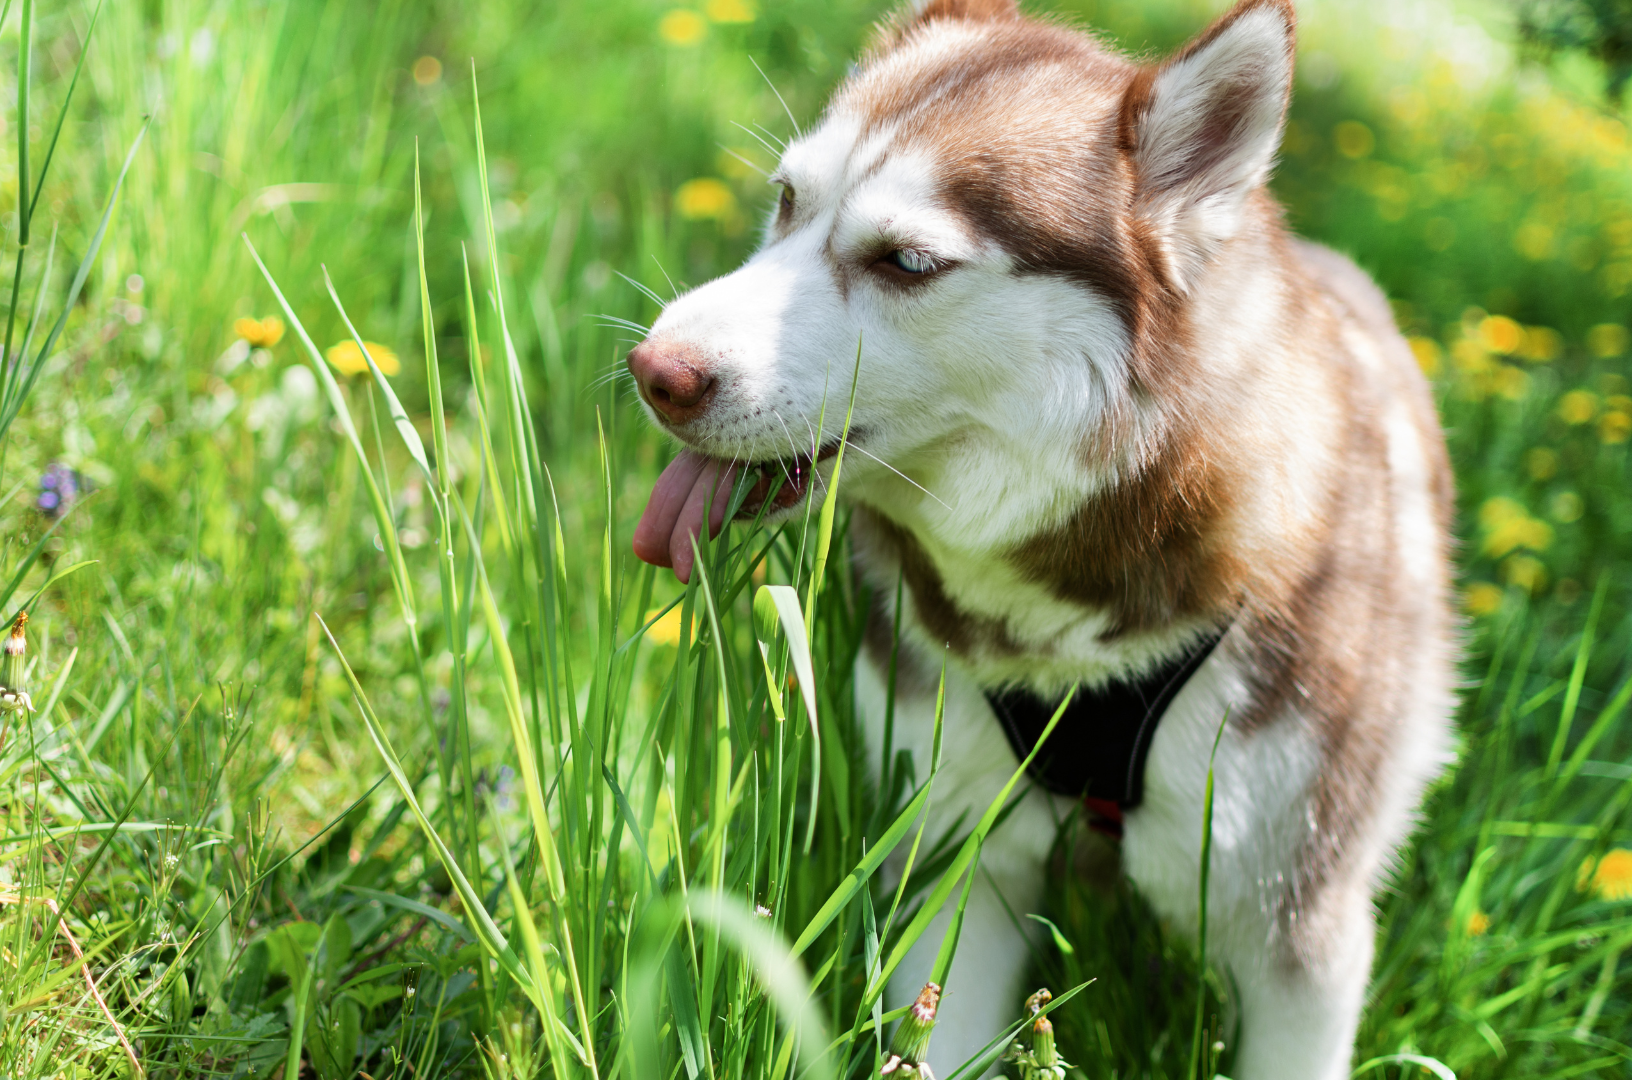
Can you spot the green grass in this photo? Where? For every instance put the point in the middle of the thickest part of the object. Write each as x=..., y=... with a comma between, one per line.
x=491, y=815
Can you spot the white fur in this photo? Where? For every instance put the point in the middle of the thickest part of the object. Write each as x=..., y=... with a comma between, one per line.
x=991, y=442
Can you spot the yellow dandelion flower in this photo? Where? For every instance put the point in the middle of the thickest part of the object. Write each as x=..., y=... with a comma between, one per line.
x=682, y=27
x=347, y=358
x=1578, y=406
x=1541, y=345
x=1470, y=355
x=1542, y=463
x=1525, y=572
x=1614, y=426
x=1567, y=507
x=1607, y=339
x=666, y=631
x=1610, y=878
x=730, y=11
x=260, y=333
x=1501, y=334
x=1430, y=357
x=1500, y=510
x=1482, y=598
x=1525, y=532
x=704, y=197
x=1478, y=923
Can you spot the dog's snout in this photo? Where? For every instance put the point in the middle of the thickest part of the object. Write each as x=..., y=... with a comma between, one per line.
x=673, y=378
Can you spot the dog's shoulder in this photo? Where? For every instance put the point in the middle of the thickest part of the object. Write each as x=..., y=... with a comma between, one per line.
x=1342, y=281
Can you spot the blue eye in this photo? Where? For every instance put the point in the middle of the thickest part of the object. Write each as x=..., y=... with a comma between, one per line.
x=913, y=262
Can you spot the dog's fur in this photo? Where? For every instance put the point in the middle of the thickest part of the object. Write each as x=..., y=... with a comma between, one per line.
x=1133, y=409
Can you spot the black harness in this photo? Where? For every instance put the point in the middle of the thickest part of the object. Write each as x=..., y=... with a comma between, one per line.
x=1098, y=749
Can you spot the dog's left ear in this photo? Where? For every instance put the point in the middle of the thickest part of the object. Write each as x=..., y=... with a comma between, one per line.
x=973, y=10
x=918, y=13
x=1203, y=127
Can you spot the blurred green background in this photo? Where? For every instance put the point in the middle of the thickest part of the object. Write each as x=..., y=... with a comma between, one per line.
x=1485, y=183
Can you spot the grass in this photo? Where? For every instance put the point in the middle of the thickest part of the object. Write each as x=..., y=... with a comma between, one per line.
x=363, y=745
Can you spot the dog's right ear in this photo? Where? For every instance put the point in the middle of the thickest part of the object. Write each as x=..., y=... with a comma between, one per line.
x=1202, y=129
x=917, y=13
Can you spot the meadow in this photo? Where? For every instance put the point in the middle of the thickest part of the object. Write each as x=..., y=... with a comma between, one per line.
x=361, y=745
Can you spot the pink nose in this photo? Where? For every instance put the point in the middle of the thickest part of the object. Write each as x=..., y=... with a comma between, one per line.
x=673, y=378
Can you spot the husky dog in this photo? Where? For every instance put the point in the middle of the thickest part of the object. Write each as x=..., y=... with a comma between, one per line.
x=1115, y=430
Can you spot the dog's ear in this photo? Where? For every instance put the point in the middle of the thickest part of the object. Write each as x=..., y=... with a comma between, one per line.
x=1202, y=129
x=890, y=33
x=921, y=11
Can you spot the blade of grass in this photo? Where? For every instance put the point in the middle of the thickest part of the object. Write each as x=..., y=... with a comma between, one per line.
x=487, y=932
x=961, y=863
x=1578, y=674
x=1201, y=910
x=14, y=402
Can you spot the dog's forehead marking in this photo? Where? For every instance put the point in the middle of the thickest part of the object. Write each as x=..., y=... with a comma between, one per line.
x=860, y=187
x=1014, y=132
x=902, y=202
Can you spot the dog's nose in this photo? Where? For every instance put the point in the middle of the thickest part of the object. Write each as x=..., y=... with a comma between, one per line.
x=673, y=378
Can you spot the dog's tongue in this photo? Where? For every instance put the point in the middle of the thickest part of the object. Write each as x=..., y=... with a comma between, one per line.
x=674, y=514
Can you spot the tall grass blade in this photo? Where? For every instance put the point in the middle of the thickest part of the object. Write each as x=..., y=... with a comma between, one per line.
x=962, y=862
x=13, y=401
x=492, y=939
x=383, y=519
x=1201, y=910
x=1578, y=673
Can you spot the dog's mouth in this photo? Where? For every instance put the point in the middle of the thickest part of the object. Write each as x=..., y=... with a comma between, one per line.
x=696, y=485
x=784, y=481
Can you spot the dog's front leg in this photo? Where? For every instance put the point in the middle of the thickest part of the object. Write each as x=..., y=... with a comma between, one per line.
x=1297, y=949
x=984, y=990
x=1300, y=1006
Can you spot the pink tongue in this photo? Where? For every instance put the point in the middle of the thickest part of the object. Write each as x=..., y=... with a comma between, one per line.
x=674, y=514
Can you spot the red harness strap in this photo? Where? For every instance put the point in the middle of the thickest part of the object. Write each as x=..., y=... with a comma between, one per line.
x=1104, y=816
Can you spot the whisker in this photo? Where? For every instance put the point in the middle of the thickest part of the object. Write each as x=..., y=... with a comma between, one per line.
x=619, y=320
x=609, y=377
x=791, y=444
x=769, y=149
x=612, y=374
x=650, y=293
x=896, y=471
x=796, y=132
x=815, y=450
x=744, y=160
x=773, y=138
x=666, y=276
x=615, y=326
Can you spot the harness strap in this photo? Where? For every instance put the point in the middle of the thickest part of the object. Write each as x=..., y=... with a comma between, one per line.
x=1098, y=750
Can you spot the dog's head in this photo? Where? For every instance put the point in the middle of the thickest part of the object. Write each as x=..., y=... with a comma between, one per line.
x=1005, y=220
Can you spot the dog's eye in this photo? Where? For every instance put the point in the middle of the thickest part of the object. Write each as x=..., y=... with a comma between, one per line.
x=913, y=262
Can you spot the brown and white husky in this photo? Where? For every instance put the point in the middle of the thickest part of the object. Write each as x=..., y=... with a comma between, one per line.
x=1114, y=424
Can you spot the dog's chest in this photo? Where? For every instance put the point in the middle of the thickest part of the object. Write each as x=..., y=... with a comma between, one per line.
x=1006, y=630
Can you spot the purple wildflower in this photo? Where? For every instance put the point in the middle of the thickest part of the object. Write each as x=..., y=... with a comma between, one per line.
x=59, y=487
